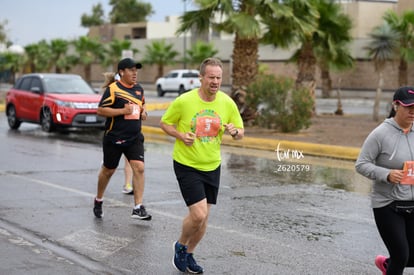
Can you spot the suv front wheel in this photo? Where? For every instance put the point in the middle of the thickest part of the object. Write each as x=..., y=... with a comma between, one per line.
x=160, y=91
x=46, y=120
x=14, y=122
x=181, y=90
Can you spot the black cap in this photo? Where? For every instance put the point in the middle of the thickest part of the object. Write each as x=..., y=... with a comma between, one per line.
x=404, y=96
x=128, y=63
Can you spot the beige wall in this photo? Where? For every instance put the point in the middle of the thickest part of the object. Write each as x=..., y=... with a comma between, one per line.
x=404, y=5
x=366, y=15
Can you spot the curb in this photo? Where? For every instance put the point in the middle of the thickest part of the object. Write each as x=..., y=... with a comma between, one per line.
x=157, y=106
x=284, y=147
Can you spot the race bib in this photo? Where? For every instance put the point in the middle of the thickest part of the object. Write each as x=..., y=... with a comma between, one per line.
x=207, y=126
x=408, y=177
x=135, y=113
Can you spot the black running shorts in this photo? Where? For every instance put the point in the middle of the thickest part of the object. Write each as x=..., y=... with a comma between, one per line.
x=196, y=185
x=112, y=152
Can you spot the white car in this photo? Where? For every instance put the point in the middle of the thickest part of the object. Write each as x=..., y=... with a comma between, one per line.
x=178, y=81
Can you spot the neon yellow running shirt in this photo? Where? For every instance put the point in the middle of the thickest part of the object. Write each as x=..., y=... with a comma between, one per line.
x=189, y=112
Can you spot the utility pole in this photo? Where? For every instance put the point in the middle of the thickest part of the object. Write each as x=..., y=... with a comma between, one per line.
x=184, y=39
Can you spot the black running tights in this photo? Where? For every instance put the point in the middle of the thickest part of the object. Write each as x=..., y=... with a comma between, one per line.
x=397, y=233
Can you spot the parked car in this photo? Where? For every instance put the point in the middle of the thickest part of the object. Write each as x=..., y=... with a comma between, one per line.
x=178, y=81
x=53, y=101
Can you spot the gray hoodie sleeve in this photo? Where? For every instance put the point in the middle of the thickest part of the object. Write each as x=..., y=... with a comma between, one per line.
x=367, y=162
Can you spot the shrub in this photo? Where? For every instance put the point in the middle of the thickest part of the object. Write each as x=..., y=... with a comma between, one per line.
x=280, y=105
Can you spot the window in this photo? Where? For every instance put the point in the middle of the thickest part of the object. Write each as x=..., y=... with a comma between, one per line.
x=25, y=84
x=190, y=75
x=36, y=83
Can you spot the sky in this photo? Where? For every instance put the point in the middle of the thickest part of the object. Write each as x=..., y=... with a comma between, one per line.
x=29, y=21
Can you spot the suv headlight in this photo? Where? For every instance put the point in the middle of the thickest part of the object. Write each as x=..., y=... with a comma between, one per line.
x=65, y=104
x=78, y=105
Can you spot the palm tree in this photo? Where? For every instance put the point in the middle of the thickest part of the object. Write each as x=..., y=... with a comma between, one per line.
x=200, y=51
x=381, y=49
x=30, y=53
x=332, y=51
x=12, y=62
x=404, y=26
x=59, y=48
x=241, y=18
x=38, y=57
x=306, y=34
x=236, y=17
x=114, y=52
x=89, y=51
x=159, y=53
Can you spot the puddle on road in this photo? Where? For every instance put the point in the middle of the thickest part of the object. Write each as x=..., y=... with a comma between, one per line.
x=313, y=199
x=265, y=168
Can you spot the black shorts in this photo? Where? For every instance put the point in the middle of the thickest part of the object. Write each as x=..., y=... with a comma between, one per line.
x=196, y=185
x=112, y=152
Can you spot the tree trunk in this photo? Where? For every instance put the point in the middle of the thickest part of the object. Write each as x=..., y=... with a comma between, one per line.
x=402, y=73
x=245, y=56
x=326, y=83
x=307, y=70
x=244, y=71
x=160, y=71
x=378, y=97
x=339, y=110
x=88, y=72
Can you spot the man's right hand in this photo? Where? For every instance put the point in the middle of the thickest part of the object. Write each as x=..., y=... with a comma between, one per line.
x=189, y=138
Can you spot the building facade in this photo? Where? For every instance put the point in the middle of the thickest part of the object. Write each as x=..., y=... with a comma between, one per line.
x=365, y=15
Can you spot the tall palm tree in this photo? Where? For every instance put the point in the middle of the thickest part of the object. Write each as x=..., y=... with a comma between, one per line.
x=296, y=25
x=404, y=26
x=382, y=48
x=31, y=53
x=238, y=17
x=89, y=51
x=244, y=19
x=159, y=53
x=332, y=51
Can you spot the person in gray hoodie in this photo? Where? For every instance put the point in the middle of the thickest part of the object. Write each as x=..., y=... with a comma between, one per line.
x=387, y=158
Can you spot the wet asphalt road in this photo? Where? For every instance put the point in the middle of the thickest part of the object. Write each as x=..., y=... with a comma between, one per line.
x=314, y=220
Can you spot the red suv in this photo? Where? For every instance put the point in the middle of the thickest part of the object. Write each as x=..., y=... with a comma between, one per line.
x=53, y=100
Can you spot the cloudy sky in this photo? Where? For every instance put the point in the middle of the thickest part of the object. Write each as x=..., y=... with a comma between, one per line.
x=30, y=21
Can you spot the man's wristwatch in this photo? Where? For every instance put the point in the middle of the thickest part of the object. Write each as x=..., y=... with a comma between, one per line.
x=235, y=134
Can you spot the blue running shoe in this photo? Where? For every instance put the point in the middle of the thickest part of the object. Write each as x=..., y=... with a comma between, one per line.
x=192, y=265
x=180, y=257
